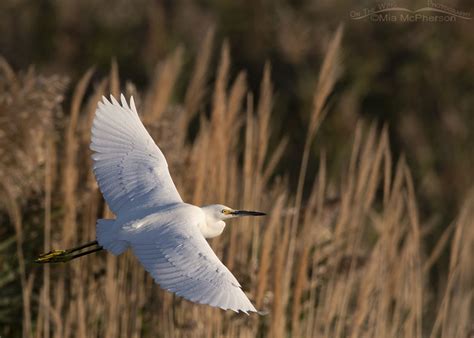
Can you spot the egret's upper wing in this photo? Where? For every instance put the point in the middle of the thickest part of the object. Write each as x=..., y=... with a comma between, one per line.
x=130, y=168
x=181, y=261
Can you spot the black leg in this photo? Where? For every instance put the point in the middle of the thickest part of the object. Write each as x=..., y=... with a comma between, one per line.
x=86, y=252
x=57, y=256
x=80, y=247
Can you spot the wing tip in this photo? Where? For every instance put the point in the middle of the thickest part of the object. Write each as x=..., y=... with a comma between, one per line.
x=247, y=311
x=104, y=100
x=247, y=308
x=132, y=105
x=112, y=101
x=124, y=102
x=244, y=308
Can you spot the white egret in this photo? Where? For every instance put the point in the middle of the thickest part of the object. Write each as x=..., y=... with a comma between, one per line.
x=165, y=234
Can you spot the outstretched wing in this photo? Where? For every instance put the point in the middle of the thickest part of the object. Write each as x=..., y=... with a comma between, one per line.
x=130, y=169
x=181, y=261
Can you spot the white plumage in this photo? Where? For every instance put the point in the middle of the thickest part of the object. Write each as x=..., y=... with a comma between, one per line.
x=166, y=234
x=130, y=168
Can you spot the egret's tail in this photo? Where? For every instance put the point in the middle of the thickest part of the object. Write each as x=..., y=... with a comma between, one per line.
x=106, y=233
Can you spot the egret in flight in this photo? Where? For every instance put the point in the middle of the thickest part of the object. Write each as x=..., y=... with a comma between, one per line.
x=167, y=235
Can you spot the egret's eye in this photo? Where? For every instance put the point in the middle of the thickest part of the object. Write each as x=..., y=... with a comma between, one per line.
x=225, y=211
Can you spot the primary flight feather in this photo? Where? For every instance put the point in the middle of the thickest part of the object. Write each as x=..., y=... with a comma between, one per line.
x=166, y=234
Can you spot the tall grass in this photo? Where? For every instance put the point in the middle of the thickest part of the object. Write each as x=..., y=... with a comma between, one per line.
x=344, y=257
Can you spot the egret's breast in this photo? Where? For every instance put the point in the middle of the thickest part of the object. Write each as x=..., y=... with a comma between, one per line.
x=213, y=230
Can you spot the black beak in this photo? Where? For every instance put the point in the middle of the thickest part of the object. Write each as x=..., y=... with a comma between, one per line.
x=248, y=213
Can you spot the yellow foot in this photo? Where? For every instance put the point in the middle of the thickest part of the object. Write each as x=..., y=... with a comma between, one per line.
x=54, y=256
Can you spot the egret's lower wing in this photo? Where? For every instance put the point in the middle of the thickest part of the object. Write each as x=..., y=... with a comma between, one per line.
x=181, y=261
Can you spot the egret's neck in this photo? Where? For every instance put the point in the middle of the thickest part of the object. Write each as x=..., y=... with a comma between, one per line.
x=211, y=229
x=212, y=224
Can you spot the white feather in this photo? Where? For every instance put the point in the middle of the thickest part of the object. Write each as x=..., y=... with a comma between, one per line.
x=127, y=163
x=164, y=233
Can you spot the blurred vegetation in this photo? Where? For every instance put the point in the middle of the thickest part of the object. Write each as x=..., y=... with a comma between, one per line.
x=415, y=77
x=418, y=77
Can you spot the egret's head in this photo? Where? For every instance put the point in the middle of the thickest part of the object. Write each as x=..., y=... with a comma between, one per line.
x=219, y=212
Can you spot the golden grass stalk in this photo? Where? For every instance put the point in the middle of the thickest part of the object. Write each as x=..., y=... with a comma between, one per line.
x=327, y=77
x=347, y=261
x=163, y=84
x=454, y=319
x=69, y=171
x=48, y=187
x=267, y=249
x=114, y=79
x=197, y=86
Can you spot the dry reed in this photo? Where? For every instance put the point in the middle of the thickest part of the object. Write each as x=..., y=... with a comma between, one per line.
x=354, y=266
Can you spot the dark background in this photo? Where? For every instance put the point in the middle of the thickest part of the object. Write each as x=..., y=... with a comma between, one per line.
x=417, y=77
